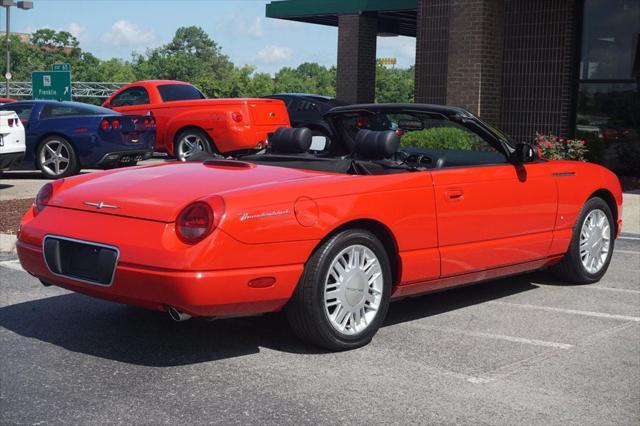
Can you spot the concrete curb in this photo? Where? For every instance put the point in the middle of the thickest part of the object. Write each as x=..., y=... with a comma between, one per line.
x=7, y=243
x=631, y=213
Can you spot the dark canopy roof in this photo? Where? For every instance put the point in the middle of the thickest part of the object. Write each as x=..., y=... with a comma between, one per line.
x=394, y=16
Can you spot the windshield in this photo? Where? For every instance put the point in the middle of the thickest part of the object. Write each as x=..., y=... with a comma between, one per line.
x=416, y=130
x=179, y=92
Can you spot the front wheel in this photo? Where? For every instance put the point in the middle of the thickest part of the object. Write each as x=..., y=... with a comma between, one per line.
x=589, y=254
x=191, y=142
x=343, y=295
x=55, y=158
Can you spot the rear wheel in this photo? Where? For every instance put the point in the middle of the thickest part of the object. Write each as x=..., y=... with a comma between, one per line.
x=343, y=295
x=55, y=158
x=190, y=142
x=589, y=254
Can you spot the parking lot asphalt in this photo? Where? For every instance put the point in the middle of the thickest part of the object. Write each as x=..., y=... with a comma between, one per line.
x=521, y=350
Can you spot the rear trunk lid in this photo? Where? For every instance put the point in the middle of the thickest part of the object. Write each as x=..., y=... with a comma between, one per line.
x=160, y=192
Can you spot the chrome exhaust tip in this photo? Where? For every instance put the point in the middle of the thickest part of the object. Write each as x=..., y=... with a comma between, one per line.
x=176, y=315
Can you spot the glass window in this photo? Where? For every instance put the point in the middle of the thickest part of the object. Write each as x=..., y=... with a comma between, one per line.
x=608, y=103
x=67, y=110
x=132, y=96
x=179, y=92
x=23, y=110
x=610, y=39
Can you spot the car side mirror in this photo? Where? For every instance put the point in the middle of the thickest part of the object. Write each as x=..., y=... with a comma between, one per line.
x=525, y=153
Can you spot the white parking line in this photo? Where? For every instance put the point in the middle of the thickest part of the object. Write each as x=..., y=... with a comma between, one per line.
x=619, y=290
x=12, y=264
x=570, y=311
x=629, y=238
x=626, y=251
x=514, y=339
x=591, y=287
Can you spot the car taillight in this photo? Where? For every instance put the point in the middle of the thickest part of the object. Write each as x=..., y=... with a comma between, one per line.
x=236, y=116
x=199, y=219
x=115, y=124
x=43, y=198
x=10, y=122
x=105, y=125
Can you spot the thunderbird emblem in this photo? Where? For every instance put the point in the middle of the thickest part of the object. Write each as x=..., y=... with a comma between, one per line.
x=100, y=205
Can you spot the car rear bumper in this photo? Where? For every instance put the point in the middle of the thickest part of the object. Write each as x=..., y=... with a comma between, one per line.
x=113, y=159
x=7, y=160
x=224, y=293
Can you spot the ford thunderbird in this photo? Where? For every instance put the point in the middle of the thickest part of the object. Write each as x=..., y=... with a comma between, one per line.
x=405, y=200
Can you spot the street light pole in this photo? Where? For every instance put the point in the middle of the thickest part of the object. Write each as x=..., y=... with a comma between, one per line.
x=8, y=4
x=7, y=74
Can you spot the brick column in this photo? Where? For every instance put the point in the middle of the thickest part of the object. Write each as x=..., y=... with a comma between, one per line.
x=540, y=67
x=356, y=71
x=475, y=53
x=432, y=39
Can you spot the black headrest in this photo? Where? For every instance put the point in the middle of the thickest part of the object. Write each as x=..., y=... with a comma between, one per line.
x=373, y=145
x=291, y=140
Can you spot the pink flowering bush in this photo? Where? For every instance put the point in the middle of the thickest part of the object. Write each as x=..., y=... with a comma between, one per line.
x=555, y=148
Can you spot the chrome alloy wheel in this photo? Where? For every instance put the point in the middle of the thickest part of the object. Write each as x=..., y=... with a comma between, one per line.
x=189, y=145
x=595, y=241
x=353, y=289
x=54, y=157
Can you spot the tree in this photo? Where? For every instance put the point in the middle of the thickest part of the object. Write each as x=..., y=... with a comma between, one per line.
x=51, y=39
x=192, y=56
x=394, y=84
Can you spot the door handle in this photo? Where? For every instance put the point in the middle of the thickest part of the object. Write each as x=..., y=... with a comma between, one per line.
x=454, y=195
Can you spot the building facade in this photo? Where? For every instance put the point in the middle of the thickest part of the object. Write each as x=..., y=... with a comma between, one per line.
x=525, y=66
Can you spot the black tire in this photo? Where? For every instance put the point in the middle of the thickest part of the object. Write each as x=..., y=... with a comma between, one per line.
x=571, y=267
x=197, y=135
x=56, y=169
x=306, y=310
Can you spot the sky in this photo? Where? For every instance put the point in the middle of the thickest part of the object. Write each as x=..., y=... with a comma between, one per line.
x=116, y=28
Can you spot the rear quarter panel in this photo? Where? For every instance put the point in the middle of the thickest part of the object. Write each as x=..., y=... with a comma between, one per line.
x=310, y=211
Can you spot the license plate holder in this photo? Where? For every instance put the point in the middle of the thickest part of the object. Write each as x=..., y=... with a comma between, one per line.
x=84, y=261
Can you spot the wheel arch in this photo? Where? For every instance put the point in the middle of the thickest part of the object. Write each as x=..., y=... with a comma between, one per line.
x=383, y=233
x=48, y=135
x=191, y=127
x=608, y=198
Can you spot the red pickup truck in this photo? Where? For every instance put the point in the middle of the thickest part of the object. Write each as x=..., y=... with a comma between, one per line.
x=187, y=122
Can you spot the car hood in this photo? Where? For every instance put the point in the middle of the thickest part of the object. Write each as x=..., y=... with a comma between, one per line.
x=160, y=192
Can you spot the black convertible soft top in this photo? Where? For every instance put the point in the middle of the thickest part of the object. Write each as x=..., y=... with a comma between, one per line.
x=443, y=110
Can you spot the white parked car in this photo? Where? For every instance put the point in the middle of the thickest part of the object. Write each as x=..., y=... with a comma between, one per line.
x=12, y=139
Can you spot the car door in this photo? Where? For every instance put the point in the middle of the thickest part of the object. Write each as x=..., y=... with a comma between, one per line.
x=490, y=213
x=493, y=215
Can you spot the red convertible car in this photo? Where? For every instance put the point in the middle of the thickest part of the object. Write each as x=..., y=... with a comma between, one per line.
x=188, y=123
x=330, y=236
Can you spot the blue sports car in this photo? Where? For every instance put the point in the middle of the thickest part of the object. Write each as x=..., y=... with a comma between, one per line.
x=63, y=137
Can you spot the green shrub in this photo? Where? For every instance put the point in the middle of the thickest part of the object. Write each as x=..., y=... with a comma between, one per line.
x=439, y=138
x=629, y=157
x=595, y=145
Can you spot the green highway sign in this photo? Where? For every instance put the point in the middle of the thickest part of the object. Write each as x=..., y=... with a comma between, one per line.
x=54, y=85
x=61, y=67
